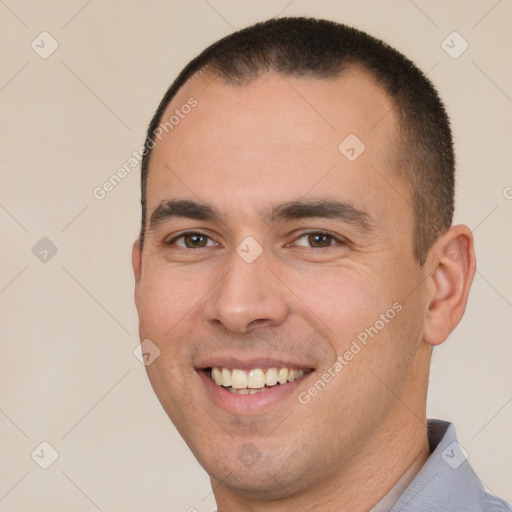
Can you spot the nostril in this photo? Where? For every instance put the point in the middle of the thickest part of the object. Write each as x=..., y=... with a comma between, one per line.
x=259, y=322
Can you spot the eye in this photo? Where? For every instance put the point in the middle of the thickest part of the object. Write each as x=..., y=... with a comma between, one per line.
x=317, y=240
x=192, y=240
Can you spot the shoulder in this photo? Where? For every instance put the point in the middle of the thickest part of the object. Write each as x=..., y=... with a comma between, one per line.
x=491, y=503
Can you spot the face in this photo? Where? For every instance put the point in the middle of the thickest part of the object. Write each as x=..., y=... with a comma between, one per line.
x=278, y=279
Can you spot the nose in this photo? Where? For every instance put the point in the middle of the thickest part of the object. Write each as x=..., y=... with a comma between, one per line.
x=248, y=296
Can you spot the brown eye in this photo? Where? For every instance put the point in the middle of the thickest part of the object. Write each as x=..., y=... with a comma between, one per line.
x=192, y=240
x=317, y=240
x=320, y=240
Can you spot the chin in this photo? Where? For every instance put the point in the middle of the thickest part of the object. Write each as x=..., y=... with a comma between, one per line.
x=251, y=474
x=261, y=484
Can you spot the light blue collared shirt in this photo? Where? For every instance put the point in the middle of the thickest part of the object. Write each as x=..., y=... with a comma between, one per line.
x=447, y=482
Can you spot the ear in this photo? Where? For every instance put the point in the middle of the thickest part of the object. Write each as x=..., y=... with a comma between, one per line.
x=137, y=265
x=453, y=261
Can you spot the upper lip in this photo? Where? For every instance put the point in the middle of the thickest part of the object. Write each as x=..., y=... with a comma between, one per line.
x=251, y=363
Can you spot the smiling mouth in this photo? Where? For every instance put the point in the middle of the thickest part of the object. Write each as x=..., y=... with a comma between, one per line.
x=256, y=380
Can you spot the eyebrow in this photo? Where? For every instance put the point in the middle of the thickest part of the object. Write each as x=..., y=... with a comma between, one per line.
x=328, y=209
x=292, y=210
x=183, y=208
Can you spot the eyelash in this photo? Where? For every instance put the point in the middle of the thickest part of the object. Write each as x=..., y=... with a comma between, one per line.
x=187, y=233
x=335, y=239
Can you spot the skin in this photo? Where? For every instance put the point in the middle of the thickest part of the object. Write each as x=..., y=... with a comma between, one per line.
x=243, y=150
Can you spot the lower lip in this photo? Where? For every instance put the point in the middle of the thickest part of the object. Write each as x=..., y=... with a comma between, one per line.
x=250, y=404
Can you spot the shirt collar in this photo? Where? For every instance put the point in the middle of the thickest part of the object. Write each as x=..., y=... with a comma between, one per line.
x=387, y=502
x=447, y=481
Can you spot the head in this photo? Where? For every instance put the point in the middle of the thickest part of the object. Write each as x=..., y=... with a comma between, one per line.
x=297, y=215
x=311, y=48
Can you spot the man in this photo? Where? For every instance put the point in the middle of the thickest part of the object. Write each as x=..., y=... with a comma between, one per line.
x=297, y=265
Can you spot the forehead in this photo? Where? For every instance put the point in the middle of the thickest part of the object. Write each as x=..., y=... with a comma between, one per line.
x=274, y=103
x=275, y=136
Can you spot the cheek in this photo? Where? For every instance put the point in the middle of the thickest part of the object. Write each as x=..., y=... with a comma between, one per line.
x=166, y=305
x=368, y=317
x=341, y=303
x=165, y=299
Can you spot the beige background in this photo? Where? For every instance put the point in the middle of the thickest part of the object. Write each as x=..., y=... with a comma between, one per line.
x=69, y=326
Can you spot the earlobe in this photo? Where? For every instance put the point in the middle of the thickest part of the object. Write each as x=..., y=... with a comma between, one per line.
x=453, y=260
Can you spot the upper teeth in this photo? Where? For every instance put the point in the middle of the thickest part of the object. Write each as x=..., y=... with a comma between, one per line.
x=254, y=379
